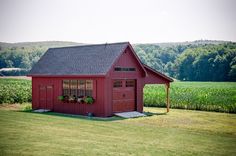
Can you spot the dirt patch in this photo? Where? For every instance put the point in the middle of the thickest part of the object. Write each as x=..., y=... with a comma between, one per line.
x=10, y=106
x=17, y=77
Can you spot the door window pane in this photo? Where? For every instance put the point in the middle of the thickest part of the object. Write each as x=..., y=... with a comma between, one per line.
x=117, y=83
x=130, y=83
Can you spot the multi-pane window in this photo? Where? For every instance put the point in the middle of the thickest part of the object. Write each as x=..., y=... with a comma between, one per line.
x=129, y=83
x=73, y=87
x=117, y=83
x=81, y=87
x=66, y=87
x=89, y=87
x=124, y=69
x=77, y=87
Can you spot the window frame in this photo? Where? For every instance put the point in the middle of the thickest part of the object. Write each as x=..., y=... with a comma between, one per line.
x=65, y=89
x=81, y=89
x=73, y=88
x=117, y=84
x=124, y=69
x=69, y=90
x=88, y=92
x=130, y=83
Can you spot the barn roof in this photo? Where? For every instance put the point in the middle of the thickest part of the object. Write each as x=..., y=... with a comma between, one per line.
x=79, y=60
x=84, y=60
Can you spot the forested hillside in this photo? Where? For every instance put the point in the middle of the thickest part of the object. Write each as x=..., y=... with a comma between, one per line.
x=201, y=60
x=24, y=55
x=192, y=61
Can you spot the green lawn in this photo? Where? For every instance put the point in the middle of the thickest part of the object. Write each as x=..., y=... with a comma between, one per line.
x=180, y=132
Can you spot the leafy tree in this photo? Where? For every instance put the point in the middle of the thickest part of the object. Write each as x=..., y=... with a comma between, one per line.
x=232, y=73
x=202, y=60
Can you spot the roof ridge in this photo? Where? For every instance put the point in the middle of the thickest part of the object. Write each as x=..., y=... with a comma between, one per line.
x=89, y=45
x=85, y=59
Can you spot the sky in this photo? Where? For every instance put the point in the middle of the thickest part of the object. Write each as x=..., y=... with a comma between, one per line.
x=101, y=21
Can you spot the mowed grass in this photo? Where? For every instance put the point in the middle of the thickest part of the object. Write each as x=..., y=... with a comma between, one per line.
x=207, y=96
x=180, y=132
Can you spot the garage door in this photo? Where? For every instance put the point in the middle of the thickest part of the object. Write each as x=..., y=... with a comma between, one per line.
x=123, y=95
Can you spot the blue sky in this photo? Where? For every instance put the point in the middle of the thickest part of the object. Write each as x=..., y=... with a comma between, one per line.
x=99, y=21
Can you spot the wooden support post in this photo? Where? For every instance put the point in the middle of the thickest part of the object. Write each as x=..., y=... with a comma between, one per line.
x=167, y=97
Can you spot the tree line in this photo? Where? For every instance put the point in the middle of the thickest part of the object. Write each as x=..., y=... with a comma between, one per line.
x=187, y=61
x=192, y=62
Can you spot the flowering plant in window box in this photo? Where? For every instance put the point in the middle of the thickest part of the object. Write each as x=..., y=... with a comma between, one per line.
x=88, y=99
x=64, y=98
x=61, y=98
x=72, y=99
x=80, y=99
x=85, y=99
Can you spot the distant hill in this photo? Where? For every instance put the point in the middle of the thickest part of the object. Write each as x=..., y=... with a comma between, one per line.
x=42, y=44
x=201, y=60
x=197, y=42
x=51, y=44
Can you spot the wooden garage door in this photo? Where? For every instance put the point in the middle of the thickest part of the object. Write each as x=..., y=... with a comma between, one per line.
x=123, y=95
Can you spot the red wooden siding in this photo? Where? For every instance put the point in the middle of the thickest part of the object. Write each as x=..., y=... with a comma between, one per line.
x=45, y=84
x=127, y=59
x=153, y=78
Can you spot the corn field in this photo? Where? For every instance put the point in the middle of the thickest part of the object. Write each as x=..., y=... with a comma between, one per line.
x=15, y=91
x=207, y=96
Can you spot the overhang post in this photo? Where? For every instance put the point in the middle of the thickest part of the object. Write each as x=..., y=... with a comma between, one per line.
x=167, y=97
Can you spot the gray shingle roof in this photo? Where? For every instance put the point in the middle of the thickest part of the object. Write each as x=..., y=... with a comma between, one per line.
x=79, y=60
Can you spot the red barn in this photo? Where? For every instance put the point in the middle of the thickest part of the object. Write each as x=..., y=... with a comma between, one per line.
x=100, y=79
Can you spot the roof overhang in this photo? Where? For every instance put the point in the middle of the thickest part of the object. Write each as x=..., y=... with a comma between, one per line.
x=158, y=73
x=99, y=75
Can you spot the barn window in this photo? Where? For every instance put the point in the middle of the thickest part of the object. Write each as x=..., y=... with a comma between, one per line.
x=77, y=87
x=89, y=88
x=81, y=87
x=129, y=83
x=73, y=87
x=66, y=87
x=117, y=83
x=124, y=69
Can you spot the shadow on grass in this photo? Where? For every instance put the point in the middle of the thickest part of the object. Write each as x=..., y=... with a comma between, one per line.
x=151, y=113
x=113, y=118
